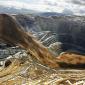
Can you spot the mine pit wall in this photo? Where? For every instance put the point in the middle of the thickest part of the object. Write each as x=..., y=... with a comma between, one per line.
x=69, y=30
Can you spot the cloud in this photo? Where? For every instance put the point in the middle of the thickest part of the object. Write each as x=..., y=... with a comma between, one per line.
x=61, y=6
x=41, y=5
x=79, y=2
x=11, y=3
x=67, y=12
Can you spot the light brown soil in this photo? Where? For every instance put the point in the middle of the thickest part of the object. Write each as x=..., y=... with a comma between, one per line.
x=24, y=71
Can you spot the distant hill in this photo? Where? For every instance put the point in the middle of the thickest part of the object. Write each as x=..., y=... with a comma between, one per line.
x=46, y=14
x=13, y=10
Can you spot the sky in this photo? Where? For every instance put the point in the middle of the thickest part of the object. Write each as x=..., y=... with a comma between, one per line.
x=76, y=7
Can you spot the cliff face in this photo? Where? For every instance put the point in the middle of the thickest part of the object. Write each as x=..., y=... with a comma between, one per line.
x=69, y=30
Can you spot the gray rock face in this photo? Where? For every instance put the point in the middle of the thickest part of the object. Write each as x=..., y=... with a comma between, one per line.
x=4, y=53
x=28, y=22
x=69, y=30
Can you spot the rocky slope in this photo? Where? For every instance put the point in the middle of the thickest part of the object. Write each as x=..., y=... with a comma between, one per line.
x=69, y=30
x=21, y=69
